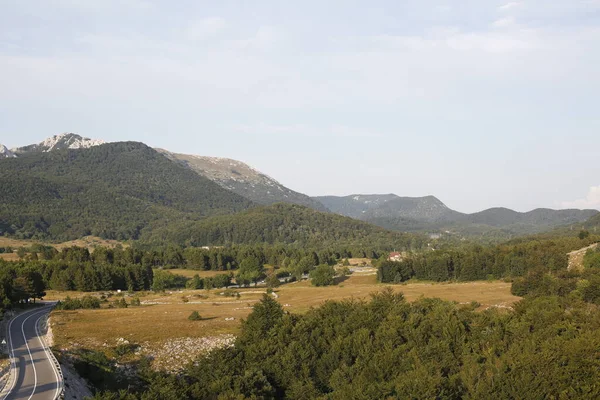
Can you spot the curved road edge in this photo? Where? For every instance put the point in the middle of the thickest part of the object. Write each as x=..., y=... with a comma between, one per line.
x=13, y=372
x=55, y=364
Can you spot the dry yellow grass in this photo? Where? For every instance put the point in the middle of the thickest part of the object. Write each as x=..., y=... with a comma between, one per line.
x=166, y=318
x=88, y=241
x=9, y=256
x=301, y=296
x=359, y=261
x=189, y=273
x=91, y=242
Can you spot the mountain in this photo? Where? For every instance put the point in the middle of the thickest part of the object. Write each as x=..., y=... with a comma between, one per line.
x=59, y=142
x=115, y=191
x=230, y=174
x=6, y=153
x=373, y=206
x=127, y=190
x=244, y=180
x=429, y=214
x=286, y=223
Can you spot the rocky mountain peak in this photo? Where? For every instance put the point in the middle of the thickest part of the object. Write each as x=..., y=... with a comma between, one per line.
x=5, y=152
x=65, y=140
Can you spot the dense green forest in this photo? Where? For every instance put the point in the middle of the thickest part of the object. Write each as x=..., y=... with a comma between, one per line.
x=114, y=191
x=285, y=224
x=475, y=262
x=134, y=269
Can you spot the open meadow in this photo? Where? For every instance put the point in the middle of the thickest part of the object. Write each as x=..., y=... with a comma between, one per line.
x=90, y=242
x=160, y=325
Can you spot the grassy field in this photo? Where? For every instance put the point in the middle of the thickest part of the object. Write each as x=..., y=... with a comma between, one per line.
x=163, y=317
x=9, y=256
x=189, y=273
x=91, y=242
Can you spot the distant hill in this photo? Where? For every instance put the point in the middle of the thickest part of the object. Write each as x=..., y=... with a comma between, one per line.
x=375, y=206
x=286, y=224
x=58, y=142
x=429, y=214
x=115, y=191
x=244, y=180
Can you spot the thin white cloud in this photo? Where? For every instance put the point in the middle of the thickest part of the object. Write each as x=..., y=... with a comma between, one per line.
x=592, y=200
x=206, y=28
x=95, y=6
x=264, y=38
x=504, y=22
x=510, y=6
x=303, y=130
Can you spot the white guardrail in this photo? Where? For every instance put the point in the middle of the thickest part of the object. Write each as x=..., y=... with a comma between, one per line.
x=61, y=379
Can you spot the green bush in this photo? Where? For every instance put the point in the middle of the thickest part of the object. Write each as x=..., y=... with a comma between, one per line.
x=323, y=275
x=86, y=302
x=194, y=316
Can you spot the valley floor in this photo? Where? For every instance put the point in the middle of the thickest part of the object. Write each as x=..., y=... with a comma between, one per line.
x=161, y=329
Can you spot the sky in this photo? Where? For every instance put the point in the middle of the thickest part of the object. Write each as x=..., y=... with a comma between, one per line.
x=481, y=103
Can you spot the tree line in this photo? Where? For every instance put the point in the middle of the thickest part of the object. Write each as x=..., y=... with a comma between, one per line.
x=476, y=262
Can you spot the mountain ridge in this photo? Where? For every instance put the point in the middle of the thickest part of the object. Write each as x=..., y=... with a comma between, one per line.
x=67, y=140
x=428, y=213
x=390, y=211
x=230, y=174
x=243, y=179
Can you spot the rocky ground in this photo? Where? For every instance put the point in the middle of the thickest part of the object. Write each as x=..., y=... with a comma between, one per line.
x=175, y=354
x=576, y=257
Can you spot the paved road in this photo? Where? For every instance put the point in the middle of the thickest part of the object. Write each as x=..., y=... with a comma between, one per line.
x=34, y=375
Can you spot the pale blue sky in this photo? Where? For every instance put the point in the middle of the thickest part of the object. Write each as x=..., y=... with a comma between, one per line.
x=481, y=103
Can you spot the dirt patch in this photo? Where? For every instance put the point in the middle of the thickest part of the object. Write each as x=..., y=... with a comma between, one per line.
x=189, y=273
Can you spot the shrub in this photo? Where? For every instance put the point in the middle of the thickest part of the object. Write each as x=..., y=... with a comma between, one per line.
x=121, y=303
x=86, y=302
x=136, y=301
x=194, y=316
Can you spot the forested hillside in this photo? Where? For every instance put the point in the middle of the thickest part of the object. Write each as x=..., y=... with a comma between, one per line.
x=284, y=223
x=113, y=191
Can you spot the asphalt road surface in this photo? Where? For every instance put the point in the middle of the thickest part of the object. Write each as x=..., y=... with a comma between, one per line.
x=34, y=375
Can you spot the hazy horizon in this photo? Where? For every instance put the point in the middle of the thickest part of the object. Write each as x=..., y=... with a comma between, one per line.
x=481, y=104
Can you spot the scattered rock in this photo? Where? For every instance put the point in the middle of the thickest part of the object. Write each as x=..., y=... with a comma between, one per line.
x=174, y=354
